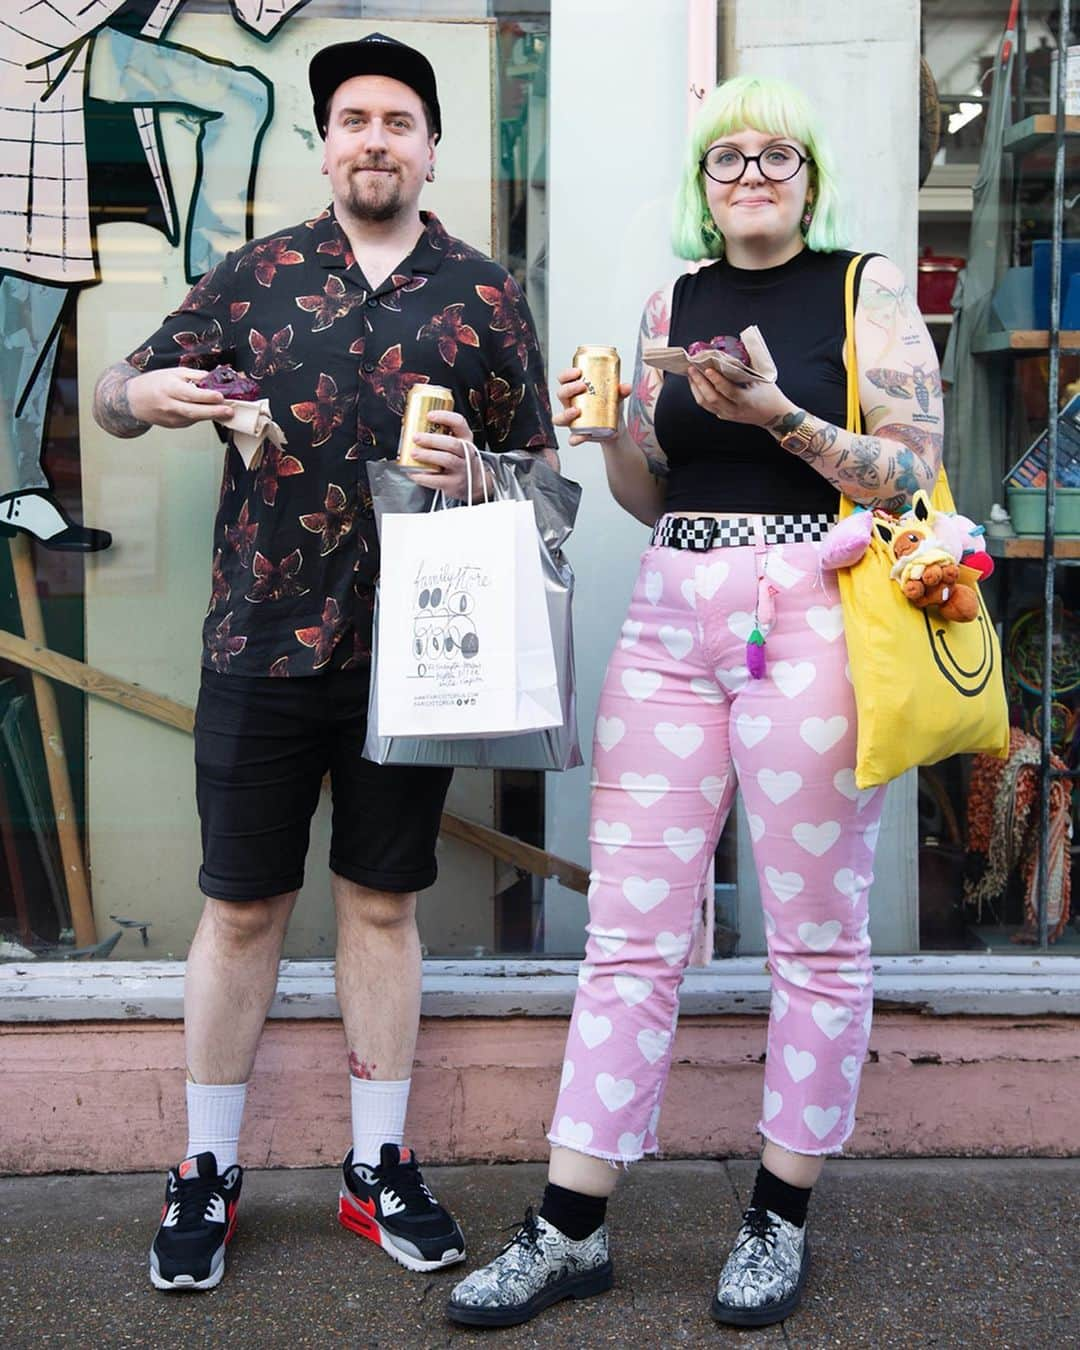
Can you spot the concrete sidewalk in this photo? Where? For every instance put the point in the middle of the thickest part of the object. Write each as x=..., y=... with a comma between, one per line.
x=936, y=1253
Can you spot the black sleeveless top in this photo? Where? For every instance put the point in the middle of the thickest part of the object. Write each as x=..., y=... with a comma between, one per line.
x=728, y=466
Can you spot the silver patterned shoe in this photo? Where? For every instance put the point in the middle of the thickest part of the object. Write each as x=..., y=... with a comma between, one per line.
x=762, y=1280
x=537, y=1267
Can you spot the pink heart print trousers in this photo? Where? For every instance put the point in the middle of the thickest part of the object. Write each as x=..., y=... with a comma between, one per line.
x=680, y=723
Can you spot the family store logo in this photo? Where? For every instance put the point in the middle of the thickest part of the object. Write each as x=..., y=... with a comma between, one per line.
x=445, y=643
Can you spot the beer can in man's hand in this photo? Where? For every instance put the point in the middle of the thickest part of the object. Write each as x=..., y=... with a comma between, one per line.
x=419, y=401
x=599, y=405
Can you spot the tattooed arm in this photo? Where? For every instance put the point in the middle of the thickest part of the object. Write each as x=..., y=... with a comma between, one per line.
x=128, y=403
x=635, y=464
x=900, y=391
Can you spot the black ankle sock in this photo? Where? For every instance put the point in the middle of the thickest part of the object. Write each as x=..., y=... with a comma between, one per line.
x=781, y=1197
x=571, y=1212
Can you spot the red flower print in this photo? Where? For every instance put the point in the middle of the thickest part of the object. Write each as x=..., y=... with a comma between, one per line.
x=222, y=646
x=507, y=318
x=220, y=590
x=402, y=285
x=275, y=464
x=390, y=382
x=268, y=256
x=335, y=303
x=449, y=331
x=361, y=651
x=202, y=295
x=497, y=405
x=241, y=537
x=326, y=413
x=333, y=522
x=141, y=359
x=238, y=309
x=542, y=396
x=280, y=667
x=276, y=581
x=324, y=214
x=197, y=347
x=365, y=439
x=271, y=354
x=325, y=637
x=337, y=247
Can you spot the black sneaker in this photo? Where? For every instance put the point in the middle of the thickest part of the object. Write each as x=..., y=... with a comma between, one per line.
x=197, y=1220
x=391, y=1205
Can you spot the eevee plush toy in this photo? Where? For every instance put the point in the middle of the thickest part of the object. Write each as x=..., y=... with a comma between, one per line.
x=927, y=572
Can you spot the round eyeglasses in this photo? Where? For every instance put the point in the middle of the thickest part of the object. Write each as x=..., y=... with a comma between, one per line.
x=778, y=163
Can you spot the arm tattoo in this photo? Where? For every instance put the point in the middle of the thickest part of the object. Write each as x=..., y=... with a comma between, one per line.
x=645, y=389
x=788, y=422
x=112, y=411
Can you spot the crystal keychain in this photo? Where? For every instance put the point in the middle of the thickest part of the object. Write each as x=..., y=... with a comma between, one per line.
x=764, y=614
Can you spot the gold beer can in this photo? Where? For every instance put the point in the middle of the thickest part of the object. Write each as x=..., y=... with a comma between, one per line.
x=599, y=406
x=419, y=401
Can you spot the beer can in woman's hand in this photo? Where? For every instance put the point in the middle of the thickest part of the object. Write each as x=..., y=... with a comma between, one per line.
x=419, y=401
x=599, y=405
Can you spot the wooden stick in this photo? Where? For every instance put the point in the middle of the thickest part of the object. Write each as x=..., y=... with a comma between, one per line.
x=67, y=830
x=36, y=657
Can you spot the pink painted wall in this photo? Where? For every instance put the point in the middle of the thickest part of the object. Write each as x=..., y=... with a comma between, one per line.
x=109, y=1096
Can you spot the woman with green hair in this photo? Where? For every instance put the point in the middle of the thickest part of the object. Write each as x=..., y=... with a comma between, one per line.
x=732, y=670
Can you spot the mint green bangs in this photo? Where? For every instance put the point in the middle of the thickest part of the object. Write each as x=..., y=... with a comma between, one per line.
x=756, y=103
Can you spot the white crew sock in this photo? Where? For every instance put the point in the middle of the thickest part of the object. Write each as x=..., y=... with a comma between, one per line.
x=215, y=1111
x=378, y=1116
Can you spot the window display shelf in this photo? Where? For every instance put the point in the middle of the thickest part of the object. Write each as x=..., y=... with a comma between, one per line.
x=1023, y=342
x=1035, y=133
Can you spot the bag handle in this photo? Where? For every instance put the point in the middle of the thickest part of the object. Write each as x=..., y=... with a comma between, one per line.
x=854, y=407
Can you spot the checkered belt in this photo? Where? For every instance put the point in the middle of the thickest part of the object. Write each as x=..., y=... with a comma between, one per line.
x=705, y=532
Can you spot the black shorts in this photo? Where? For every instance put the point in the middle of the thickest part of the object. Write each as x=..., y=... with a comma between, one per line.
x=262, y=748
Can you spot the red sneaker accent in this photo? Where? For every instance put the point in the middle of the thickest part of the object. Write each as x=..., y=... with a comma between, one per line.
x=405, y=1154
x=186, y=1168
x=359, y=1217
x=231, y=1213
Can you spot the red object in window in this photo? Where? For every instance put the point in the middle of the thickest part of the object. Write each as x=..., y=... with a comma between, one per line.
x=937, y=281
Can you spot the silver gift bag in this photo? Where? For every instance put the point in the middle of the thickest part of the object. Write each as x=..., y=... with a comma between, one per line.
x=518, y=476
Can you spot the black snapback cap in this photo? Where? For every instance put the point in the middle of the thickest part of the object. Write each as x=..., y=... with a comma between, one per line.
x=375, y=54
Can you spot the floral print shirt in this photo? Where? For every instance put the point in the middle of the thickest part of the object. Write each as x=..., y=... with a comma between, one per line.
x=296, y=554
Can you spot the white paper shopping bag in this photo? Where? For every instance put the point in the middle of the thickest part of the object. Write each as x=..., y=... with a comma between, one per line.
x=464, y=640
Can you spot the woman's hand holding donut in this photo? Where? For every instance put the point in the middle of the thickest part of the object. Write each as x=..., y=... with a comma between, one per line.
x=570, y=386
x=758, y=404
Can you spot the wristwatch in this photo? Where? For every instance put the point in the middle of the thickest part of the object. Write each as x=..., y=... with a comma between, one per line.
x=798, y=439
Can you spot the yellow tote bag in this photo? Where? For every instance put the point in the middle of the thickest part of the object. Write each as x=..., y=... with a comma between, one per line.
x=925, y=687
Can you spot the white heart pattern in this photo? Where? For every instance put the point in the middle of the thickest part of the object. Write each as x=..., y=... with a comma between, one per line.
x=594, y=1029
x=752, y=729
x=733, y=679
x=832, y=1018
x=706, y=690
x=780, y=1004
x=654, y=1119
x=793, y=971
x=819, y=937
x=710, y=577
x=820, y=1121
x=633, y=989
x=784, y=885
x=866, y=796
x=584, y=973
x=611, y=835
x=682, y=741
x=614, y=1092
x=849, y=1067
x=816, y=839
x=769, y=922
x=567, y=1074
x=850, y=973
x=868, y=1019
x=644, y=788
x=756, y=826
x=641, y=684
x=573, y=1132
x=645, y=895
x=822, y=733
x=778, y=787
x=848, y=883
x=609, y=940
x=672, y=947
x=792, y=677
x=610, y=731
x=800, y=1063
x=827, y=621
x=632, y=1144
x=631, y=631
x=685, y=844
x=844, y=782
x=780, y=570
x=870, y=836
x=654, y=587
x=653, y=1044
x=742, y=623
x=689, y=591
x=712, y=789
x=771, y=1104
x=678, y=641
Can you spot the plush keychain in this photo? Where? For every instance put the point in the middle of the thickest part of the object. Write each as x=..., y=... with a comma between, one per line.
x=926, y=571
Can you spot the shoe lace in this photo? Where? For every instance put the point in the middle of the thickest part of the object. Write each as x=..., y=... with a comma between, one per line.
x=528, y=1232
x=407, y=1183
x=758, y=1226
x=192, y=1199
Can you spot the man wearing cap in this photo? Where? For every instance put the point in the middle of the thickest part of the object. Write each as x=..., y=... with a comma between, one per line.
x=335, y=318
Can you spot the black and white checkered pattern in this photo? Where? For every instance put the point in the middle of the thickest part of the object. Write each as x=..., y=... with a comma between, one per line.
x=706, y=532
